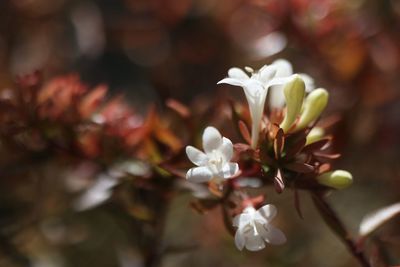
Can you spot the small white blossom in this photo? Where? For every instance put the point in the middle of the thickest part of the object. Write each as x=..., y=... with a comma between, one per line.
x=96, y=194
x=215, y=163
x=255, y=229
x=284, y=69
x=255, y=88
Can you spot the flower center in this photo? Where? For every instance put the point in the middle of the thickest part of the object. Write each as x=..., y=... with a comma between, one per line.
x=215, y=161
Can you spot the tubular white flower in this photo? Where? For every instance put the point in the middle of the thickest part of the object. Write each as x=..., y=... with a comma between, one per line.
x=255, y=229
x=215, y=163
x=285, y=69
x=255, y=89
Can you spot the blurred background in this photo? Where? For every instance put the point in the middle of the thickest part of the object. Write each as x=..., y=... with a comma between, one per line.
x=152, y=50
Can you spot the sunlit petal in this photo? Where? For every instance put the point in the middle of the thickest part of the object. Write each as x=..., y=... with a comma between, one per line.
x=196, y=156
x=212, y=139
x=226, y=149
x=230, y=169
x=199, y=174
x=237, y=73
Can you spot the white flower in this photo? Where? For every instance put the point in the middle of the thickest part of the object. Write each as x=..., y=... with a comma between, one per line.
x=254, y=228
x=285, y=69
x=99, y=192
x=215, y=163
x=255, y=88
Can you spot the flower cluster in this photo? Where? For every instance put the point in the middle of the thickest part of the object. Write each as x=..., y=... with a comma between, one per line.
x=286, y=147
x=110, y=153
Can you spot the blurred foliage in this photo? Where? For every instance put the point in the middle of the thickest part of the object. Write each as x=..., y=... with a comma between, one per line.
x=150, y=51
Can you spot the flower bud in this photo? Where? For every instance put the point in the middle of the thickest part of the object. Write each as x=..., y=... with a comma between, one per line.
x=294, y=95
x=315, y=135
x=315, y=103
x=338, y=179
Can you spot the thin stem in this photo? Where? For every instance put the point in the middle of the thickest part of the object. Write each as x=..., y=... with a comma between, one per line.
x=255, y=132
x=337, y=226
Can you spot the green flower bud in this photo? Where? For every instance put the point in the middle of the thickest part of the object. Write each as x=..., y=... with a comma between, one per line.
x=294, y=95
x=338, y=179
x=314, y=104
x=315, y=135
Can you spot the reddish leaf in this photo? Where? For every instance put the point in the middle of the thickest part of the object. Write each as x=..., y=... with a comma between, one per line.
x=299, y=167
x=215, y=189
x=244, y=131
x=326, y=156
x=264, y=157
x=240, y=147
x=318, y=145
x=279, y=143
x=278, y=182
x=324, y=168
x=178, y=107
x=254, y=201
x=166, y=137
x=91, y=101
x=295, y=148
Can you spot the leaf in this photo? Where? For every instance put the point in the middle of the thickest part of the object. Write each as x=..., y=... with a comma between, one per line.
x=324, y=168
x=91, y=101
x=279, y=143
x=178, y=107
x=256, y=201
x=240, y=147
x=326, y=156
x=235, y=118
x=244, y=131
x=299, y=167
x=295, y=148
x=278, y=182
x=215, y=189
x=318, y=145
x=374, y=220
x=264, y=157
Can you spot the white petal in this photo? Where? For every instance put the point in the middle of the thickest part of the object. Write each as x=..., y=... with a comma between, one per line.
x=199, y=175
x=239, y=240
x=308, y=81
x=254, y=242
x=237, y=73
x=226, y=149
x=230, y=169
x=241, y=220
x=99, y=192
x=268, y=211
x=231, y=81
x=276, y=97
x=212, y=139
x=284, y=68
x=253, y=89
x=196, y=156
x=274, y=236
x=266, y=73
x=280, y=80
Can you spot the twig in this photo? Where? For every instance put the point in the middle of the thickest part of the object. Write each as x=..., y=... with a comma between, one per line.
x=337, y=226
